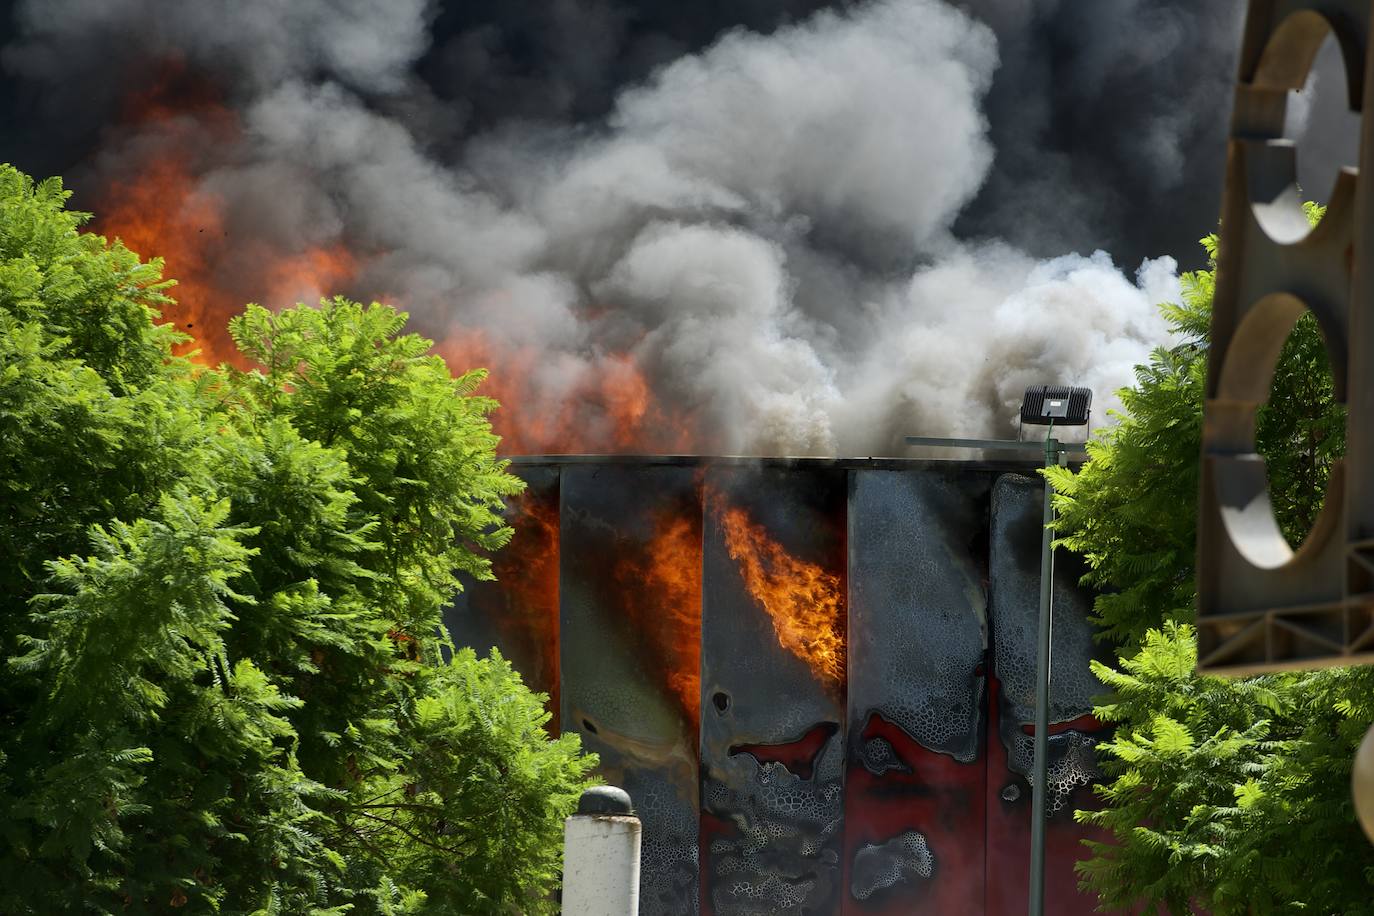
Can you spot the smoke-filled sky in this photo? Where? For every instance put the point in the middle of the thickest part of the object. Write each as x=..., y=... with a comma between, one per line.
x=746, y=226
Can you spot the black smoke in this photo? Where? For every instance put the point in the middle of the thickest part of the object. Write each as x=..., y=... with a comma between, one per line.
x=815, y=225
x=1108, y=118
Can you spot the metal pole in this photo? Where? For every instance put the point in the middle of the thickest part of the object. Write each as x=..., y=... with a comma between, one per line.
x=1040, y=770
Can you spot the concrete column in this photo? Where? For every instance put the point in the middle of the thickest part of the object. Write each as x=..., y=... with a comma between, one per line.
x=601, y=856
x=1362, y=781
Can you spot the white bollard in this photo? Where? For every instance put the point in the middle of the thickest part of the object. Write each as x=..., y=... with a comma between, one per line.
x=601, y=856
x=1362, y=781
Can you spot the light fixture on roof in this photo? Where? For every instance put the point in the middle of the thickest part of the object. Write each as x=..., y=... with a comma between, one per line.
x=1056, y=405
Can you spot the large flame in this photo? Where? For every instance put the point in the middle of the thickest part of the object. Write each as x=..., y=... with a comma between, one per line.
x=176, y=133
x=674, y=575
x=158, y=206
x=660, y=588
x=608, y=406
x=804, y=601
x=158, y=212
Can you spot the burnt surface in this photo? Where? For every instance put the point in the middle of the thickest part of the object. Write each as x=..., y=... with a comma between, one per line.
x=616, y=693
x=772, y=750
x=897, y=785
x=914, y=802
x=918, y=607
x=1014, y=602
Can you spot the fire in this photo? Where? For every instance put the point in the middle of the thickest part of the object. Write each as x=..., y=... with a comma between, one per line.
x=161, y=213
x=674, y=577
x=625, y=393
x=179, y=131
x=804, y=602
x=309, y=274
x=556, y=405
x=527, y=569
x=659, y=584
x=159, y=208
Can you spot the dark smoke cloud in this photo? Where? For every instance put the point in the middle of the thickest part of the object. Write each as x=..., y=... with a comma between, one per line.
x=818, y=226
x=77, y=61
x=1108, y=117
x=1109, y=120
x=564, y=60
x=1098, y=111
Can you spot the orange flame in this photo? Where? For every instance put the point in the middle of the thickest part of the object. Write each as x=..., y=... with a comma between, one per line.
x=625, y=393
x=161, y=210
x=160, y=214
x=159, y=206
x=673, y=574
x=527, y=569
x=804, y=601
x=607, y=406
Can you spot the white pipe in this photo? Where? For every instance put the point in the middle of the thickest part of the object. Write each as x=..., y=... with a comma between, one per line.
x=601, y=856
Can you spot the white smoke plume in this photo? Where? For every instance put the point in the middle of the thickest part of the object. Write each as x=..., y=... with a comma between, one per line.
x=766, y=227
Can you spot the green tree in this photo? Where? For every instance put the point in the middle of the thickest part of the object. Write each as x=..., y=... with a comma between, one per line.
x=1228, y=793
x=226, y=684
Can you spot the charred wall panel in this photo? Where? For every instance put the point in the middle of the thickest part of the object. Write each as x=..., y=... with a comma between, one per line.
x=518, y=613
x=1014, y=602
x=772, y=727
x=916, y=784
x=630, y=636
x=876, y=770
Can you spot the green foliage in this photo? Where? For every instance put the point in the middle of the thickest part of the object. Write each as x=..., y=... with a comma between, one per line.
x=447, y=834
x=1230, y=793
x=1233, y=795
x=1122, y=511
x=225, y=686
x=1125, y=511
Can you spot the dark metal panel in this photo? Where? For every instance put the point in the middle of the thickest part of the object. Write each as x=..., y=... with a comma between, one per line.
x=518, y=612
x=916, y=783
x=778, y=833
x=629, y=639
x=772, y=743
x=1014, y=607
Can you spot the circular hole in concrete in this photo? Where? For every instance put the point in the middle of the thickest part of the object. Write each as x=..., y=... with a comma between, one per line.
x=1319, y=120
x=1300, y=431
x=1303, y=154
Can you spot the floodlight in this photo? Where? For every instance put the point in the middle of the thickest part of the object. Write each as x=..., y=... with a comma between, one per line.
x=1056, y=405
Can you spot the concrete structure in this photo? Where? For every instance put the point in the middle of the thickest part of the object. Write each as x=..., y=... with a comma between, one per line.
x=1362, y=783
x=601, y=847
x=1261, y=605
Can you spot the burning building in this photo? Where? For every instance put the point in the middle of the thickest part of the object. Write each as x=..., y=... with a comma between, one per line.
x=779, y=227
x=695, y=250
x=814, y=677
